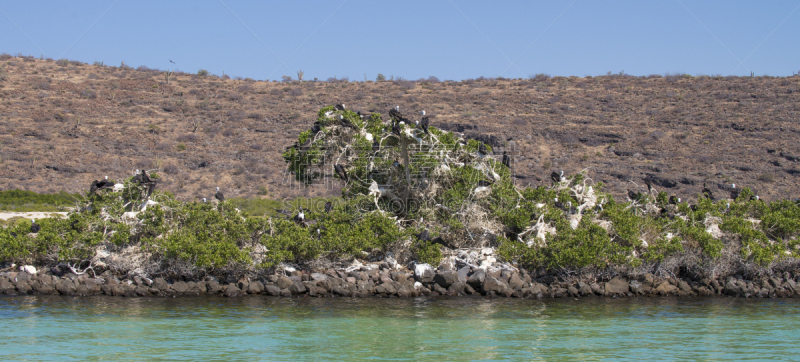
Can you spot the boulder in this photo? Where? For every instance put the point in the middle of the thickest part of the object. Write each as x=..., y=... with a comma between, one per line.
x=597, y=289
x=297, y=288
x=385, y=288
x=142, y=291
x=255, y=287
x=457, y=288
x=159, y=283
x=463, y=274
x=424, y=273
x=445, y=278
x=180, y=287
x=6, y=286
x=491, y=284
x=617, y=286
x=64, y=287
x=284, y=282
x=572, y=291
x=665, y=288
x=636, y=287
x=515, y=282
x=584, y=289
x=318, y=276
x=212, y=286
x=684, y=286
x=438, y=288
x=232, y=291
x=273, y=290
x=476, y=279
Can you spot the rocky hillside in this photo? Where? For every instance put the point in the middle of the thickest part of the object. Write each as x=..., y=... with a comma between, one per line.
x=66, y=123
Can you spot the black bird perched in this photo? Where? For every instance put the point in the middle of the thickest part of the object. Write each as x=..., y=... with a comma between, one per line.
x=674, y=200
x=93, y=187
x=559, y=204
x=219, y=196
x=151, y=188
x=633, y=195
x=99, y=185
x=424, y=122
x=556, y=177
x=300, y=218
x=339, y=107
x=649, y=185
x=320, y=230
x=484, y=183
x=396, y=116
x=571, y=209
x=396, y=128
x=35, y=227
x=316, y=128
x=424, y=236
x=707, y=193
x=376, y=146
x=328, y=207
x=345, y=122
x=734, y=192
x=755, y=198
x=141, y=177
x=482, y=149
x=13, y=234
x=341, y=172
x=506, y=159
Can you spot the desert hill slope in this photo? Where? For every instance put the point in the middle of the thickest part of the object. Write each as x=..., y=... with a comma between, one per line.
x=65, y=123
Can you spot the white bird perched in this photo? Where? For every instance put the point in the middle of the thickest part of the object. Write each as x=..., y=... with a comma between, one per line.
x=204, y=200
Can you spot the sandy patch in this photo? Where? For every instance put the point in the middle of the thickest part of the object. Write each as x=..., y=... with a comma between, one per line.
x=5, y=215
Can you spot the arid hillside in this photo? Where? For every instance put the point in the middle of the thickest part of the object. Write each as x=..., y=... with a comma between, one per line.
x=64, y=124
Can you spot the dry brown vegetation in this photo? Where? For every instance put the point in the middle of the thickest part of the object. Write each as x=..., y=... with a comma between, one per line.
x=66, y=123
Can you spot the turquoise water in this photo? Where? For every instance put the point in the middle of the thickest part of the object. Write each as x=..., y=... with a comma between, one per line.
x=260, y=328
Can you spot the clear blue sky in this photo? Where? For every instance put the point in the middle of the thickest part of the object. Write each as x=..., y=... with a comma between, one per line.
x=414, y=39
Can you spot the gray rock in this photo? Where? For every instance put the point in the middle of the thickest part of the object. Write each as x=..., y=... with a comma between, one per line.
x=232, y=291
x=255, y=287
x=636, y=287
x=297, y=288
x=445, y=278
x=318, y=276
x=64, y=287
x=23, y=277
x=584, y=289
x=665, y=288
x=515, y=282
x=684, y=286
x=286, y=293
x=424, y=273
x=6, y=286
x=273, y=290
x=468, y=289
x=405, y=292
x=491, y=284
x=597, y=289
x=572, y=291
x=23, y=287
x=438, y=288
x=284, y=282
x=617, y=286
x=385, y=288
x=731, y=288
x=159, y=283
x=142, y=291
x=463, y=274
x=457, y=288
x=180, y=287
x=476, y=279
x=212, y=286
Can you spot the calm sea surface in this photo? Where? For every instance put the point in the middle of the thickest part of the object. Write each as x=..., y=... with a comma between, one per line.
x=261, y=328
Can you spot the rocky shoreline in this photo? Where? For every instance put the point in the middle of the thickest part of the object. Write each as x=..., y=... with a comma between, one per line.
x=390, y=282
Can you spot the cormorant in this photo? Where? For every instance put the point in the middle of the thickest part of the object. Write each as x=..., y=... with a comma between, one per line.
x=219, y=196
x=341, y=172
x=556, y=177
x=424, y=122
x=35, y=227
x=707, y=193
x=734, y=192
x=396, y=116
